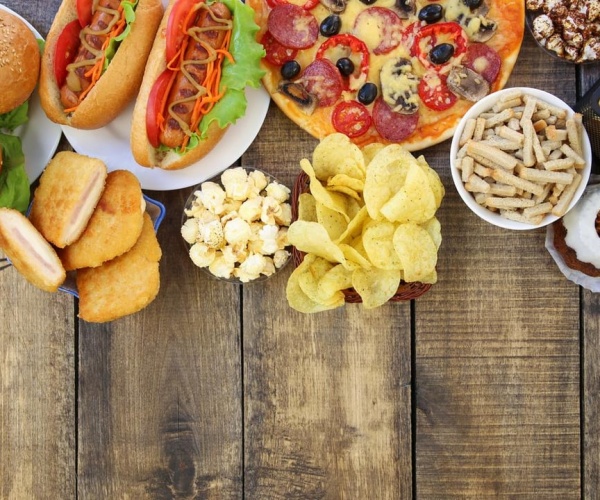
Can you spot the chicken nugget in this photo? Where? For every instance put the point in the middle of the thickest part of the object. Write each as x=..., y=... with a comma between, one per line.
x=69, y=190
x=114, y=227
x=29, y=252
x=123, y=285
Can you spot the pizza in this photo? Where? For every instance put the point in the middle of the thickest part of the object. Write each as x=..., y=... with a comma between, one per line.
x=389, y=71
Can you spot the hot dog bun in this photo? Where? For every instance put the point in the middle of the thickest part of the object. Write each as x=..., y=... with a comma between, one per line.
x=117, y=86
x=143, y=152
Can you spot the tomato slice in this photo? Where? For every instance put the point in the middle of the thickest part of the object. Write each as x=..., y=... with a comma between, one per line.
x=84, y=12
x=67, y=44
x=351, y=118
x=434, y=92
x=276, y=53
x=176, y=31
x=155, y=99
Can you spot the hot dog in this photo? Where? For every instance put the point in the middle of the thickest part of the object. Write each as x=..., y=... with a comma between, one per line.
x=94, y=59
x=204, y=56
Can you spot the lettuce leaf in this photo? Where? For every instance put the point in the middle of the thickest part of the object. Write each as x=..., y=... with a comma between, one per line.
x=113, y=45
x=14, y=183
x=14, y=118
x=246, y=71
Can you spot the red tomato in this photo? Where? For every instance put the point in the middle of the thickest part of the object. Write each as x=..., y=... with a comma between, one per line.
x=176, y=31
x=67, y=44
x=84, y=12
x=277, y=54
x=161, y=85
x=351, y=118
x=434, y=92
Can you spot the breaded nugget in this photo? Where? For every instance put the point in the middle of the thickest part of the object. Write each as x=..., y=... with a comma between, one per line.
x=29, y=252
x=114, y=227
x=69, y=190
x=123, y=285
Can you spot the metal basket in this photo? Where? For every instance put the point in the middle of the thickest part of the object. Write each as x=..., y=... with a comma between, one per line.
x=406, y=291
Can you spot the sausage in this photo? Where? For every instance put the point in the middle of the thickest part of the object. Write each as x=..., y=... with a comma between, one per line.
x=173, y=135
x=70, y=97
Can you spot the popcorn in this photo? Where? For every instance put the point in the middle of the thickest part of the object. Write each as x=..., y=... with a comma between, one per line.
x=239, y=230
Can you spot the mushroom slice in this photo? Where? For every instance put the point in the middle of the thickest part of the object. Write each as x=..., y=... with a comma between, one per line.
x=481, y=29
x=405, y=8
x=468, y=84
x=297, y=93
x=399, y=85
x=335, y=6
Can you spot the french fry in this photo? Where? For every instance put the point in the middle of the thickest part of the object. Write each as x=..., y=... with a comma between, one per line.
x=467, y=133
x=566, y=197
x=492, y=153
x=498, y=202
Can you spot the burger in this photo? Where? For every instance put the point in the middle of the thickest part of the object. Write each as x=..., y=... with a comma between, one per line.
x=19, y=71
x=575, y=239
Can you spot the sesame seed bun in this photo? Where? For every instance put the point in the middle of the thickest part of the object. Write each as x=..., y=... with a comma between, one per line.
x=19, y=62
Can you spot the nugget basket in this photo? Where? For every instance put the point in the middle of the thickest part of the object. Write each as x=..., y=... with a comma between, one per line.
x=406, y=291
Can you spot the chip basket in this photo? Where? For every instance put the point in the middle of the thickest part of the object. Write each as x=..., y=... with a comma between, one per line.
x=406, y=291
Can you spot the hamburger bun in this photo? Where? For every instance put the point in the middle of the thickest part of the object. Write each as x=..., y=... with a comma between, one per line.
x=19, y=62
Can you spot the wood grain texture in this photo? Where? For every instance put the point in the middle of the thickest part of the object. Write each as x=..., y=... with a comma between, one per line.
x=327, y=396
x=160, y=391
x=497, y=352
x=37, y=399
x=590, y=359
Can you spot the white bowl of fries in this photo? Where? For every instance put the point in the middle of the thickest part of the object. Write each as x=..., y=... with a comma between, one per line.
x=520, y=158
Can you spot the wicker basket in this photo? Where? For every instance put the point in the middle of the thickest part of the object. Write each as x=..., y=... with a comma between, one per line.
x=406, y=291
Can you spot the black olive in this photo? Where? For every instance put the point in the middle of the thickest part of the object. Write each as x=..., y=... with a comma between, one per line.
x=367, y=93
x=290, y=69
x=472, y=4
x=331, y=25
x=345, y=65
x=405, y=5
x=431, y=13
x=441, y=53
x=368, y=2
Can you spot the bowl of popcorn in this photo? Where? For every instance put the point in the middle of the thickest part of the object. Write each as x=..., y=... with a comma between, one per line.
x=235, y=225
x=520, y=158
x=566, y=29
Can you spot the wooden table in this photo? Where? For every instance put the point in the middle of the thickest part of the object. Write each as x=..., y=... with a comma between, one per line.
x=487, y=386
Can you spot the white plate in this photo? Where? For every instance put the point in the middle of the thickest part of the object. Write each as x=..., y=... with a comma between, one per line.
x=111, y=145
x=39, y=136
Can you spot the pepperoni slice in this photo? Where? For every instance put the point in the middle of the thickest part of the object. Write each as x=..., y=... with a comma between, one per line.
x=381, y=22
x=323, y=80
x=391, y=125
x=434, y=92
x=292, y=26
x=483, y=60
x=276, y=53
x=351, y=118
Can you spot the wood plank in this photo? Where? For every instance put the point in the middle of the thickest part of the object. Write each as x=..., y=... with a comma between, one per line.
x=591, y=360
x=37, y=400
x=160, y=391
x=327, y=396
x=497, y=350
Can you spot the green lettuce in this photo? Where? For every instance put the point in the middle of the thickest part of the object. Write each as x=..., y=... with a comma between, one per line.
x=246, y=71
x=14, y=183
x=113, y=45
x=14, y=118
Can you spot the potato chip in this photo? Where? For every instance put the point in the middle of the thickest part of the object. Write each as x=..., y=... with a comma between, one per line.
x=336, y=154
x=307, y=207
x=312, y=237
x=416, y=250
x=355, y=226
x=334, y=222
x=354, y=258
x=386, y=175
x=335, y=201
x=312, y=271
x=370, y=150
x=347, y=191
x=299, y=301
x=434, y=181
x=378, y=243
x=414, y=202
x=345, y=180
x=375, y=286
x=434, y=228
x=338, y=278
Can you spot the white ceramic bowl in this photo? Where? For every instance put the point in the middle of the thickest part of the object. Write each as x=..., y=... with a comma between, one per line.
x=486, y=104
